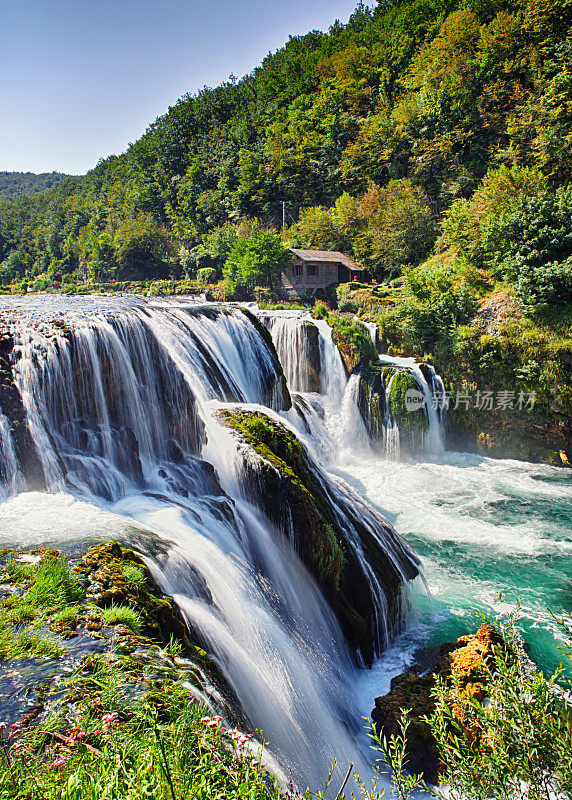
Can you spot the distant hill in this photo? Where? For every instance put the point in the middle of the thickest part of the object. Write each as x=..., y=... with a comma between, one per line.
x=16, y=184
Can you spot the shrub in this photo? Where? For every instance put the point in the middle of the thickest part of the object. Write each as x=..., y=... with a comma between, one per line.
x=532, y=246
x=206, y=275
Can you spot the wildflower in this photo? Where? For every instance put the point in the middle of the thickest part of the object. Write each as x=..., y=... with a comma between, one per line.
x=254, y=763
x=217, y=718
x=110, y=718
x=19, y=746
x=3, y=726
x=212, y=724
x=204, y=720
x=80, y=736
x=58, y=763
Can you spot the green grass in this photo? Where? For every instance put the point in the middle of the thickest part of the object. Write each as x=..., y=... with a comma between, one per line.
x=26, y=642
x=122, y=615
x=48, y=586
x=156, y=746
x=67, y=615
x=134, y=575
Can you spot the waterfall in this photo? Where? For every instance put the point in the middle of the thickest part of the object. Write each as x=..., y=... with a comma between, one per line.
x=432, y=391
x=342, y=409
x=118, y=396
x=11, y=479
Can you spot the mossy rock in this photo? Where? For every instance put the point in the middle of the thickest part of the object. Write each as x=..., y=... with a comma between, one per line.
x=352, y=340
x=401, y=383
x=102, y=570
x=282, y=478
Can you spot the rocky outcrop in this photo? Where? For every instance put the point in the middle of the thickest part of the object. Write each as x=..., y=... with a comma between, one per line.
x=519, y=435
x=279, y=475
x=412, y=691
x=12, y=407
x=104, y=572
x=371, y=399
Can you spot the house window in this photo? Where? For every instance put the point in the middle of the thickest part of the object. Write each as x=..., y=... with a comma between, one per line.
x=313, y=270
x=297, y=270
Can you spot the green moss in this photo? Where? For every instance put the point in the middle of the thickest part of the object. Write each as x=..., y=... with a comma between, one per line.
x=122, y=615
x=352, y=340
x=401, y=383
x=133, y=574
x=280, y=448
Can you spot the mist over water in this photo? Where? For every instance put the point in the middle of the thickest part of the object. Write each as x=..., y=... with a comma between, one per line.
x=119, y=395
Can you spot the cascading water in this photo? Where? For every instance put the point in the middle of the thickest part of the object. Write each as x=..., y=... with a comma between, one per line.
x=342, y=403
x=433, y=393
x=118, y=396
x=11, y=480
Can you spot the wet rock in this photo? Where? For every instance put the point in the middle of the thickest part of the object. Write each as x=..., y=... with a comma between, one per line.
x=371, y=399
x=280, y=476
x=412, y=690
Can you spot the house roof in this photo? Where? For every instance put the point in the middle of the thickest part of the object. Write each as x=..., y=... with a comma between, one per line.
x=326, y=255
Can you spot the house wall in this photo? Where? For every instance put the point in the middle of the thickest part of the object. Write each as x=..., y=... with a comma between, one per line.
x=327, y=275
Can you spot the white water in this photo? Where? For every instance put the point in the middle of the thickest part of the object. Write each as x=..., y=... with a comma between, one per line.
x=121, y=413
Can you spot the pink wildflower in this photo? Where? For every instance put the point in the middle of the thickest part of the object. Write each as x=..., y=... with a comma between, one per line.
x=212, y=724
x=204, y=720
x=255, y=763
x=18, y=746
x=217, y=718
x=3, y=726
x=110, y=718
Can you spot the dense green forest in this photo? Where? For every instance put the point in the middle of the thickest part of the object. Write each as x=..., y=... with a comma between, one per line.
x=16, y=184
x=373, y=133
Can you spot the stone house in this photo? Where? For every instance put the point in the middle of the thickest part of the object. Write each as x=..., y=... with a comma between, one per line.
x=311, y=270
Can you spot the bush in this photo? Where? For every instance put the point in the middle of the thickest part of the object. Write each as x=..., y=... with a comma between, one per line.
x=517, y=744
x=206, y=275
x=532, y=246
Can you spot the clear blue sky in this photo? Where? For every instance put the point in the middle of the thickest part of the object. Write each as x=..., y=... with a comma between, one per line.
x=80, y=79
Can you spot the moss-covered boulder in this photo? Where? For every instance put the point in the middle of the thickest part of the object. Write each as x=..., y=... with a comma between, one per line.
x=352, y=340
x=281, y=477
x=412, y=691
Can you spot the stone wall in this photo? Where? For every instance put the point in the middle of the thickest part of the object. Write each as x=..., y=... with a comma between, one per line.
x=327, y=275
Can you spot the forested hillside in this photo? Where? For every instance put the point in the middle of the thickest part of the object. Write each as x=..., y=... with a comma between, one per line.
x=16, y=184
x=388, y=121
